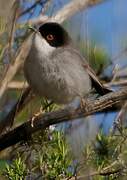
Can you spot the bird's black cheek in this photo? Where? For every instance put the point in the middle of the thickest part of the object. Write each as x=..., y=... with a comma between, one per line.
x=54, y=43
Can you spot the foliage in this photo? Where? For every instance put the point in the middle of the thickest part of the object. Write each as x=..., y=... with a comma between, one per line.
x=107, y=156
x=53, y=158
x=17, y=170
x=48, y=157
x=96, y=56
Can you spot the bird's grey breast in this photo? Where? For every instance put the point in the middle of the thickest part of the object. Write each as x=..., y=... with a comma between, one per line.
x=40, y=71
x=55, y=73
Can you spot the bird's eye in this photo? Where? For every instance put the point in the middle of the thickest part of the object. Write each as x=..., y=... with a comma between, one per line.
x=50, y=37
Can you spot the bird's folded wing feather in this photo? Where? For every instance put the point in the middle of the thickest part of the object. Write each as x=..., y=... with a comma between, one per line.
x=96, y=83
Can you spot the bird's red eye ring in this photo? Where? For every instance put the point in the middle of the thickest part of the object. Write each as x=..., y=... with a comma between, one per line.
x=50, y=37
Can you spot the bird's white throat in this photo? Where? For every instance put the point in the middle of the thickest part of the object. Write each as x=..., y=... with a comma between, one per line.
x=43, y=46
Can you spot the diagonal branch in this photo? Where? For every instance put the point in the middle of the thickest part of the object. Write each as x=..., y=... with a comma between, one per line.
x=30, y=8
x=19, y=60
x=73, y=7
x=45, y=120
x=67, y=11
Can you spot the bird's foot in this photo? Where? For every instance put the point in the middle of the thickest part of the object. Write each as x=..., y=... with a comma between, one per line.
x=84, y=104
x=35, y=116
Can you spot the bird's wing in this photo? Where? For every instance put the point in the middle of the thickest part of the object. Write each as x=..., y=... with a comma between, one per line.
x=96, y=83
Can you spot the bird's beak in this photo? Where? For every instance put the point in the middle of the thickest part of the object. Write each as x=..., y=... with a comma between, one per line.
x=33, y=29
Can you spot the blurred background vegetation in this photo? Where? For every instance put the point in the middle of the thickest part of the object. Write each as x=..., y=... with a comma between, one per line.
x=90, y=149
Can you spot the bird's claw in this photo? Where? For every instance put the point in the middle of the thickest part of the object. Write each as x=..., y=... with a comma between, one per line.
x=35, y=116
x=83, y=104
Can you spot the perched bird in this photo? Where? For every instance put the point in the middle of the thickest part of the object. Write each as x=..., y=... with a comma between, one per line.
x=55, y=69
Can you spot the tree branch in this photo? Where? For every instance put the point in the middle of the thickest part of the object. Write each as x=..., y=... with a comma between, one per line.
x=67, y=11
x=19, y=60
x=30, y=8
x=45, y=120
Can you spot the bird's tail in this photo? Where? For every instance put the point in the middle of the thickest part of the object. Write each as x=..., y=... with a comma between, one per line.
x=8, y=121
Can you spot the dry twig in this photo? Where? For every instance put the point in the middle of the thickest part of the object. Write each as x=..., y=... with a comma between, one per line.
x=14, y=67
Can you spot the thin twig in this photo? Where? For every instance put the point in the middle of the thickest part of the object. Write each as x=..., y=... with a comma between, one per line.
x=12, y=31
x=8, y=120
x=113, y=168
x=118, y=119
x=30, y=8
x=19, y=60
x=117, y=83
x=18, y=85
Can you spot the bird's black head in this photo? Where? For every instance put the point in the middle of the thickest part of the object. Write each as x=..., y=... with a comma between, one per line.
x=54, y=34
